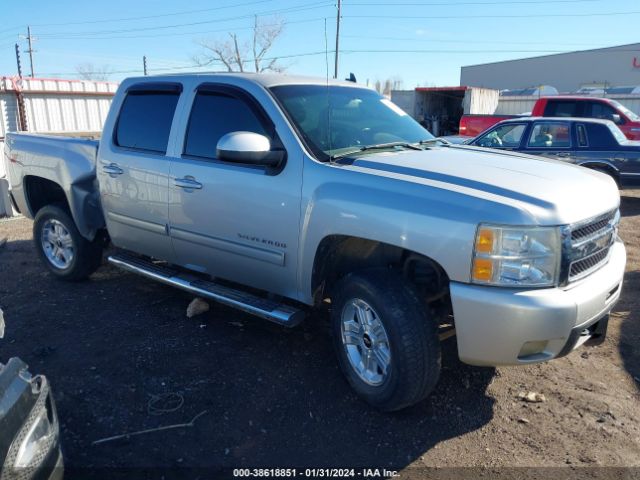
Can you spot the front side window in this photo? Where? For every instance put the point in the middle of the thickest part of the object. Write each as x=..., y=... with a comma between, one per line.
x=550, y=135
x=601, y=110
x=504, y=136
x=213, y=115
x=145, y=120
x=333, y=120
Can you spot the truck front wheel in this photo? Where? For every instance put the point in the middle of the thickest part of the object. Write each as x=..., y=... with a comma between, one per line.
x=66, y=253
x=387, y=346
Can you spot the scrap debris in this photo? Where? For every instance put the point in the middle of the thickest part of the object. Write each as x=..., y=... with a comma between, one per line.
x=532, y=397
x=150, y=430
x=197, y=307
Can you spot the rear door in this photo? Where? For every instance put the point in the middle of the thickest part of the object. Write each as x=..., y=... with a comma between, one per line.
x=550, y=138
x=133, y=169
x=232, y=220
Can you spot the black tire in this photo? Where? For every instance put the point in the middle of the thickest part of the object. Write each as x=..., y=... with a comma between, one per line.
x=87, y=256
x=412, y=335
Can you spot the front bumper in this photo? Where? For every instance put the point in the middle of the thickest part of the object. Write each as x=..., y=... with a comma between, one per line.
x=503, y=326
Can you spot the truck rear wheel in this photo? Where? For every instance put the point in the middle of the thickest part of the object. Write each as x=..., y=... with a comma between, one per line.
x=387, y=346
x=66, y=253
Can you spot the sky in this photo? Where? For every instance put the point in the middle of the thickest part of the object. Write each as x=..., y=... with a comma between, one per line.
x=414, y=42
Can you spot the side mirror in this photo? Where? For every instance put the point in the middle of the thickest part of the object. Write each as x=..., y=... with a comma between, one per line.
x=248, y=148
x=616, y=118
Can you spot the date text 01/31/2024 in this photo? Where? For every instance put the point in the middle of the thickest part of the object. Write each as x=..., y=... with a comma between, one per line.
x=314, y=473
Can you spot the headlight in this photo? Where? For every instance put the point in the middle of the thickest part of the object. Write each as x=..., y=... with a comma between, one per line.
x=37, y=443
x=516, y=256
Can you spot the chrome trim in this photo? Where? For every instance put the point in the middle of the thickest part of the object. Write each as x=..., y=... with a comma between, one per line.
x=270, y=256
x=137, y=223
x=587, y=246
x=282, y=314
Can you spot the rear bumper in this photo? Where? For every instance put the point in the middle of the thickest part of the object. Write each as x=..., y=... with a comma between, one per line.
x=501, y=326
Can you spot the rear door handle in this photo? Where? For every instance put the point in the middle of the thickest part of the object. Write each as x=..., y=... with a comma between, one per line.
x=188, y=183
x=112, y=169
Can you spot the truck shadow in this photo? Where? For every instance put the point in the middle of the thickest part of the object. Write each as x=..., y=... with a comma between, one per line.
x=629, y=204
x=628, y=310
x=272, y=397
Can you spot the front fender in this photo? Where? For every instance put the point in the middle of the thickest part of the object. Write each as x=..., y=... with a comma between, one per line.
x=434, y=222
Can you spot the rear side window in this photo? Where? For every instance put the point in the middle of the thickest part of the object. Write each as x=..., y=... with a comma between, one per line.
x=550, y=135
x=582, y=136
x=600, y=136
x=214, y=115
x=145, y=120
x=556, y=108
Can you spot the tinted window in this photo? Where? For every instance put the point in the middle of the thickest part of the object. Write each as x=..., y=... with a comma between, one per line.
x=506, y=136
x=145, y=120
x=600, y=136
x=561, y=109
x=550, y=135
x=214, y=115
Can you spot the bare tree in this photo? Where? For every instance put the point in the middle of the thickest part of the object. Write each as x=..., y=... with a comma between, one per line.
x=384, y=88
x=88, y=71
x=239, y=56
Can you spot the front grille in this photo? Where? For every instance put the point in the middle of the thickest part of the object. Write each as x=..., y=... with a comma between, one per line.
x=592, y=228
x=582, y=267
x=589, y=245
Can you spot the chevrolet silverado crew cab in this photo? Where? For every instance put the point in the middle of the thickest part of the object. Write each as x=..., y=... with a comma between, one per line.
x=279, y=194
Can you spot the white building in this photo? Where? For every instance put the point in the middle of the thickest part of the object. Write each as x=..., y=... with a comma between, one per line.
x=568, y=72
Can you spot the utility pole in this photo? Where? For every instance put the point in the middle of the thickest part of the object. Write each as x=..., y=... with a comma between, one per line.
x=144, y=65
x=335, y=73
x=29, y=39
x=18, y=62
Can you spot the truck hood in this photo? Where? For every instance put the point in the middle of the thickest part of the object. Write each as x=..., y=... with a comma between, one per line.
x=550, y=191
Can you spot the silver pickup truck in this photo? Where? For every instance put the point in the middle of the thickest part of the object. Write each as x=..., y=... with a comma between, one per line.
x=279, y=194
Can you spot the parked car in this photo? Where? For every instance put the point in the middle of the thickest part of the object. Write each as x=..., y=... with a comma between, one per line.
x=29, y=431
x=279, y=194
x=563, y=106
x=596, y=144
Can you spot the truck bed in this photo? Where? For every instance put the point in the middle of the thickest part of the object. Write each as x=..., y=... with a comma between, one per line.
x=70, y=163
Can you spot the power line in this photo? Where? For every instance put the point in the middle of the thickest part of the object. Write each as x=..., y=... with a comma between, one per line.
x=457, y=17
x=173, y=34
x=434, y=4
x=312, y=6
x=436, y=40
x=145, y=17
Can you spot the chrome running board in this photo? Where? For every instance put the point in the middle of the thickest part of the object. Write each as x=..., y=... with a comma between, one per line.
x=260, y=307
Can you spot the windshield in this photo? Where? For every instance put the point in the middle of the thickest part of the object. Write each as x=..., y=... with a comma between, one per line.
x=335, y=120
x=617, y=133
x=628, y=113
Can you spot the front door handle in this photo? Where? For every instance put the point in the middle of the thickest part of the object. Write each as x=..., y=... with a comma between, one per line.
x=112, y=169
x=188, y=183
x=563, y=154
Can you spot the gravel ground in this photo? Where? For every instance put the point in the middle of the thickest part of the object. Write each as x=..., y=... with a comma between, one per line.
x=122, y=357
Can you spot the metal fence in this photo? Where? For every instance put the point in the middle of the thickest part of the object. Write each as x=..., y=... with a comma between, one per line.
x=52, y=106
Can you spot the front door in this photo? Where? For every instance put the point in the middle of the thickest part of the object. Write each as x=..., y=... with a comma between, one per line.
x=133, y=170
x=232, y=220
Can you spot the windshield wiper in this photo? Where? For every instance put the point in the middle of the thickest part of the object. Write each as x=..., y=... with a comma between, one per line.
x=434, y=140
x=379, y=146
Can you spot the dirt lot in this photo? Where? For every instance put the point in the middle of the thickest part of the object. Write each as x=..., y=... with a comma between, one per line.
x=274, y=397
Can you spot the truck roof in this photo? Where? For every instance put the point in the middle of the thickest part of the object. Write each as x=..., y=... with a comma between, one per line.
x=563, y=119
x=267, y=80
